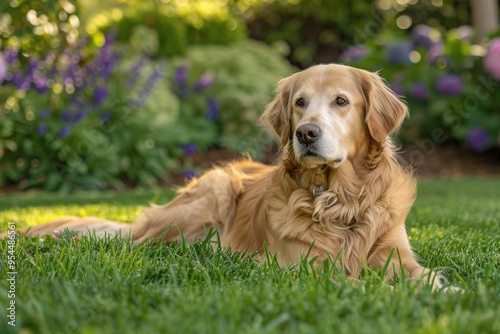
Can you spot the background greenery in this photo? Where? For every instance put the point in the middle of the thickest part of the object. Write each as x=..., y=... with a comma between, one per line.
x=111, y=286
x=107, y=94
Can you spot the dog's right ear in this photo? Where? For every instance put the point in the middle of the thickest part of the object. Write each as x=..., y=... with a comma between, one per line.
x=277, y=113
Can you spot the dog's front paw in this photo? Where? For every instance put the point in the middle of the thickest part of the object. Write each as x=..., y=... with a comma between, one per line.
x=452, y=289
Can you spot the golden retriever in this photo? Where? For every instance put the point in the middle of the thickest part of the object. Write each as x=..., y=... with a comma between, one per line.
x=337, y=191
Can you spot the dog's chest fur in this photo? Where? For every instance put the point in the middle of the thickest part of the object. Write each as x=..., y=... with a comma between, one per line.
x=339, y=219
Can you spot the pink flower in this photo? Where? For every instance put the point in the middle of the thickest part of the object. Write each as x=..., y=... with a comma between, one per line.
x=492, y=59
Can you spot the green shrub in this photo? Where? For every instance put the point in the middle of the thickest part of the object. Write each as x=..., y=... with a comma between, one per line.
x=446, y=81
x=173, y=26
x=245, y=76
x=315, y=31
x=169, y=31
x=99, y=120
x=37, y=27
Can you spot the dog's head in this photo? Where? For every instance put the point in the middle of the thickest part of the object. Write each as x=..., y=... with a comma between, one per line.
x=329, y=113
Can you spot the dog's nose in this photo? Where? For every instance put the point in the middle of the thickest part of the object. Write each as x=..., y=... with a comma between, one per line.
x=308, y=133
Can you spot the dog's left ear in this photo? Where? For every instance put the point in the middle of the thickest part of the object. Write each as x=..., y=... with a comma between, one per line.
x=277, y=112
x=384, y=111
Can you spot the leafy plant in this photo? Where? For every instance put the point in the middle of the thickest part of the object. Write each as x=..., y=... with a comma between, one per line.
x=246, y=75
x=447, y=82
x=175, y=26
x=315, y=31
x=83, y=120
x=37, y=27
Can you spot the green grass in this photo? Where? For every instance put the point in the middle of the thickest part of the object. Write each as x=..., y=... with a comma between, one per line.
x=112, y=286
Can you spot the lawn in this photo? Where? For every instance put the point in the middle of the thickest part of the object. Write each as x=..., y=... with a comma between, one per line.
x=113, y=286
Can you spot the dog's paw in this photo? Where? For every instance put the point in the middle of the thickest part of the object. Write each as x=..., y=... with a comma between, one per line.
x=452, y=289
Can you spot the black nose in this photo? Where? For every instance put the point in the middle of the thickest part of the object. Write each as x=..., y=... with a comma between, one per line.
x=308, y=133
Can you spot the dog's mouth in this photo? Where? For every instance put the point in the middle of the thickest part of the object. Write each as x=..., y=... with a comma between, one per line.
x=310, y=155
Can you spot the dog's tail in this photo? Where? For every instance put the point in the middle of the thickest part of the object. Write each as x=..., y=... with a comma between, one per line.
x=82, y=226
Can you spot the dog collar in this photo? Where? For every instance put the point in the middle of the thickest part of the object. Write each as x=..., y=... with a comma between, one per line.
x=317, y=184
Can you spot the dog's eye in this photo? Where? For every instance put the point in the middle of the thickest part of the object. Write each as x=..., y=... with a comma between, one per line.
x=340, y=101
x=300, y=102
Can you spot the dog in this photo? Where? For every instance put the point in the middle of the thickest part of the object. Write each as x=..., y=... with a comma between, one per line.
x=337, y=190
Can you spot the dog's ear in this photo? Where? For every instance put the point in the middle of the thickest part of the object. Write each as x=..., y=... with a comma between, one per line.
x=384, y=111
x=277, y=113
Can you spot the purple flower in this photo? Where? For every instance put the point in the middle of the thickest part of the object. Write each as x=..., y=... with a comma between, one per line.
x=136, y=69
x=189, y=174
x=41, y=129
x=449, y=85
x=65, y=130
x=50, y=57
x=79, y=116
x=3, y=68
x=40, y=83
x=44, y=114
x=354, y=53
x=435, y=52
x=424, y=36
x=106, y=59
x=153, y=79
x=17, y=79
x=149, y=86
x=398, y=53
x=32, y=65
x=100, y=95
x=11, y=55
x=205, y=81
x=397, y=89
x=67, y=116
x=419, y=91
x=135, y=73
x=106, y=117
x=212, y=112
x=180, y=77
x=189, y=149
x=491, y=61
x=478, y=139
x=73, y=117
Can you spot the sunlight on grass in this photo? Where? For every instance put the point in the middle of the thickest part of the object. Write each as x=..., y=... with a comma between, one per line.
x=30, y=216
x=114, y=286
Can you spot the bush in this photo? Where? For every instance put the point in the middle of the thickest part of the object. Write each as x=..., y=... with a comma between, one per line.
x=245, y=77
x=84, y=120
x=52, y=112
x=37, y=27
x=173, y=26
x=315, y=31
x=168, y=32
x=446, y=80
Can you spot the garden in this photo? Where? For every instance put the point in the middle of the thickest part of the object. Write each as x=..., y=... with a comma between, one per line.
x=107, y=106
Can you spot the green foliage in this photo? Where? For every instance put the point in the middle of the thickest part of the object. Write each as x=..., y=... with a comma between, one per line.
x=315, y=31
x=85, y=159
x=169, y=31
x=174, y=26
x=113, y=286
x=444, y=15
x=37, y=27
x=246, y=75
x=136, y=119
x=449, y=91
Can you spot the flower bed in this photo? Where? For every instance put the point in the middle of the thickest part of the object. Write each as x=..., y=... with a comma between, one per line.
x=448, y=82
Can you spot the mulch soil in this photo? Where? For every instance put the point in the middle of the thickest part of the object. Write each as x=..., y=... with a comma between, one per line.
x=426, y=161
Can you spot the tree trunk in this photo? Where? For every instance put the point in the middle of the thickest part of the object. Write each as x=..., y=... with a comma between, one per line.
x=484, y=17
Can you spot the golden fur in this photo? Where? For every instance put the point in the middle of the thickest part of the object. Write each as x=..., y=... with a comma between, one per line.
x=360, y=215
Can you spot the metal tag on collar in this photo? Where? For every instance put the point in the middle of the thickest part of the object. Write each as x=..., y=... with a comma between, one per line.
x=318, y=190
